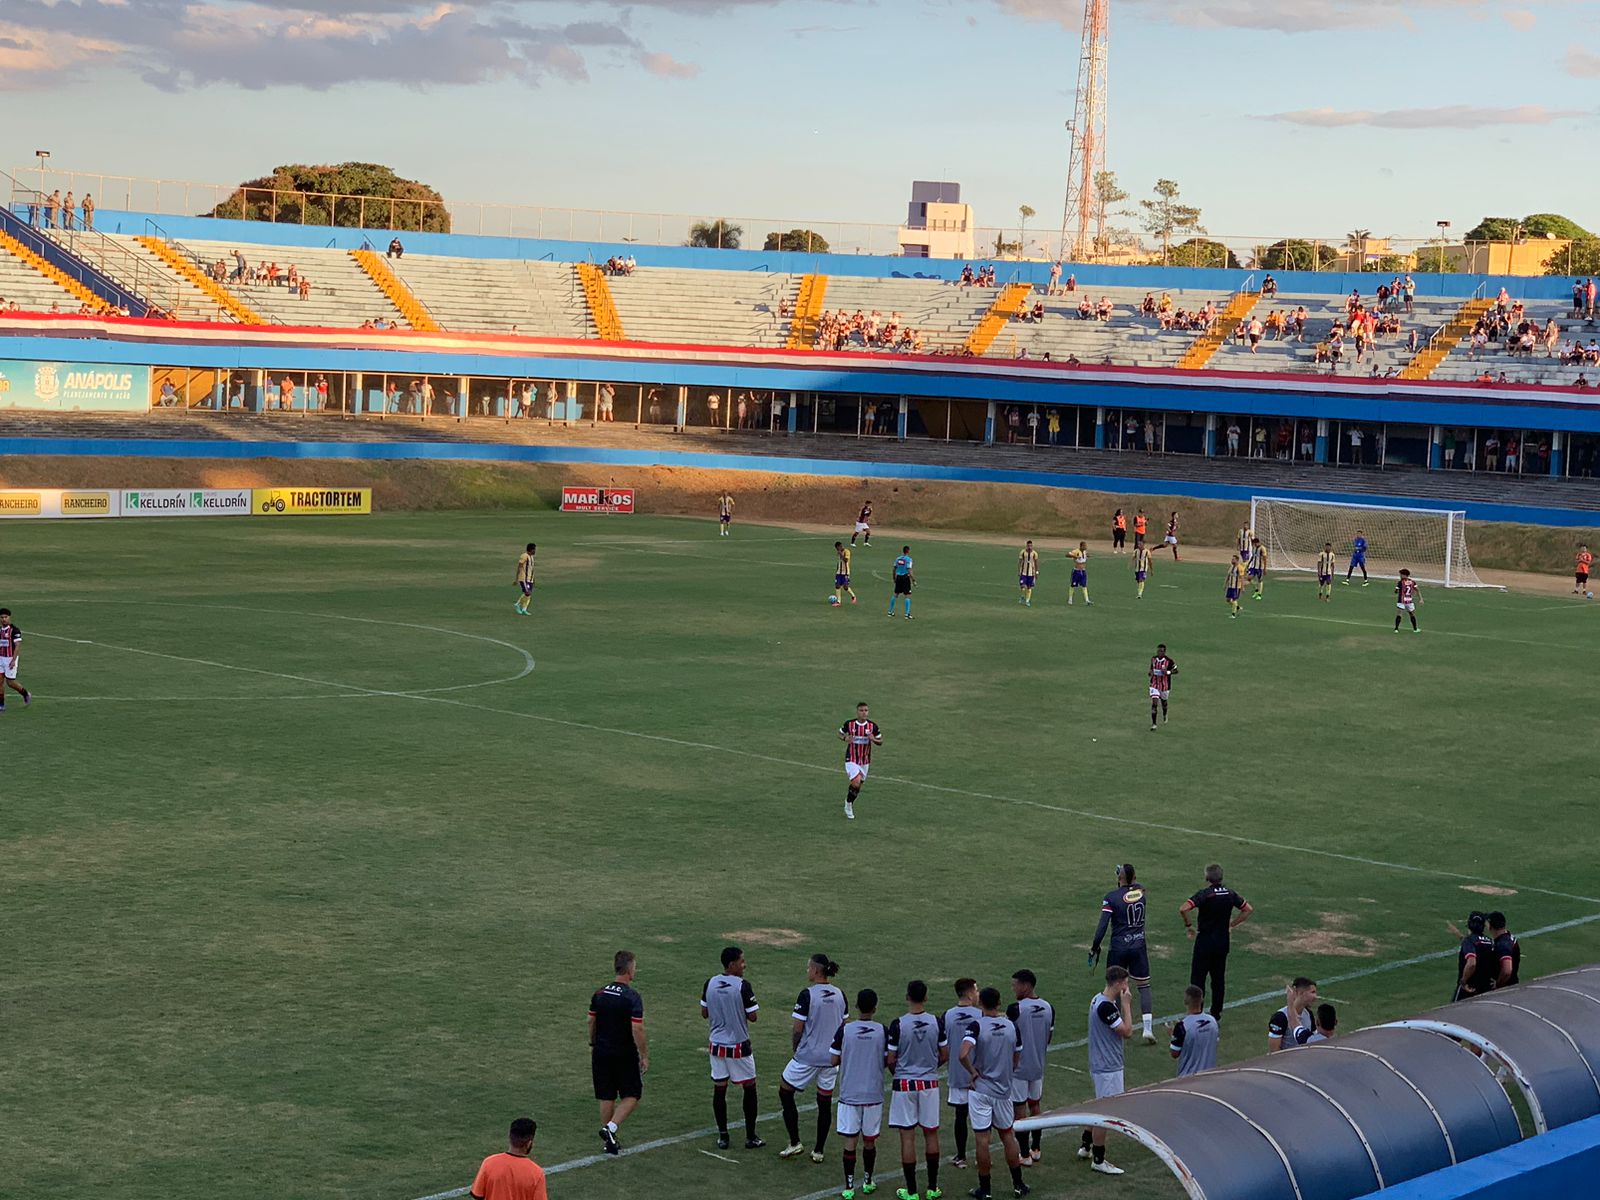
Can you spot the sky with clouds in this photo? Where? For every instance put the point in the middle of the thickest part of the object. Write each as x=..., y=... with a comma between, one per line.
x=1274, y=116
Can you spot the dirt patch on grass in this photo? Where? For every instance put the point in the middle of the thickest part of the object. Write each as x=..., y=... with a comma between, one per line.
x=1488, y=889
x=827, y=504
x=777, y=939
x=1332, y=938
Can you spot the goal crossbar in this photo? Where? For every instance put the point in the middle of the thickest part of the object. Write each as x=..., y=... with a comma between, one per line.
x=1431, y=543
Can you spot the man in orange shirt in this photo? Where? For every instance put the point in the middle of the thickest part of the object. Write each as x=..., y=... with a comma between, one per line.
x=1140, y=527
x=512, y=1175
x=1580, y=570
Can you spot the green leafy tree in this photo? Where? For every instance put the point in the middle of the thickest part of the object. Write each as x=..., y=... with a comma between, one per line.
x=1109, y=199
x=717, y=235
x=1390, y=264
x=1580, y=258
x=351, y=195
x=1024, y=211
x=1167, y=217
x=1295, y=254
x=1201, y=252
x=801, y=241
x=1535, y=225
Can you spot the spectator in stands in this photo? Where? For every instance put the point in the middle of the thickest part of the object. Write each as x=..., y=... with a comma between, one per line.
x=322, y=393
x=1085, y=309
x=1254, y=332
x=714, y=407
x=1512, y=447
x=1308, y=449
x=777, y=411
x=1033, y=426
x=1590, y=291
x=1055, y=278
x=1285, y=440
x=305, y=288
x=396, y=250
x=1072, y=283
x=606, y=401
x=1053, y=426
x=1298, y=322
x=1013, y=423
x=1357, y=436
x=1408, y=289
x=1130, y=432
x=69, y=209
x=88, y=212
x=285, y=393
x=1233, y=439
x=1259, y=449
x=52, y=205
x=1149, y=435
x=169, y=395
x=1491, y=451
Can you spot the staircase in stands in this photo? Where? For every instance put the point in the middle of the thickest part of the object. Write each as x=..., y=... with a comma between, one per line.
x=807, y=309
x=1440, y=344
x=1011, y=301
x=391, y=285
x=51, y=272
x=602, y=307
x=229, y=303
x=1220, y=330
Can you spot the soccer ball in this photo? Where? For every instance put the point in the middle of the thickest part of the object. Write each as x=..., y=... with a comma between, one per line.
x=834, y=600
x=1588, y=595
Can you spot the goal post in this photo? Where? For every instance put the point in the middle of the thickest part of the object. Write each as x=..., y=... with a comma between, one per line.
x=1430, y=542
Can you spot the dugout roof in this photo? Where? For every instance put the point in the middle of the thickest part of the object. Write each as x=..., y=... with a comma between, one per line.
x=1343, y=1118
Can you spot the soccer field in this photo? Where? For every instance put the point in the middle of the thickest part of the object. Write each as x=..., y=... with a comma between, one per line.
x=314, y=851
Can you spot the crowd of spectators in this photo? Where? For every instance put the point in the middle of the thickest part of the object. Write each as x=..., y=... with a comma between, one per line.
x=56, y=211
x=621, y=265
x=984, y=276
x=263, y=274
x=870, y=330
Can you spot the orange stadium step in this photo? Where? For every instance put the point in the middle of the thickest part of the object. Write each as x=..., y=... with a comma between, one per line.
x=1442, y=343
x=229, y=303
x=1208, y=343
x=807, y=310
x=602, y=307
x=1006, y=305
x=52, y=272
x=392, y=286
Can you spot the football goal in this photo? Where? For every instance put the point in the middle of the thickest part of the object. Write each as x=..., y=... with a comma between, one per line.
x=1431, y=542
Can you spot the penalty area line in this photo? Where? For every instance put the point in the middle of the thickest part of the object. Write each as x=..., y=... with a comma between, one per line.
x=589, y=1160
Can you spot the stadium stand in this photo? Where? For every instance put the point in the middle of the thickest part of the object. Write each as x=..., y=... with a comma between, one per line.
x=132, y=265
x=1542, y=366
x=603, y=316
x=1459, y=326
x=535, y=297
x=24, y=283
x=341, y=294
x=392, y=286
x=1287, y=354
x=727, y=308
x=1127, y=338
x=944, y=314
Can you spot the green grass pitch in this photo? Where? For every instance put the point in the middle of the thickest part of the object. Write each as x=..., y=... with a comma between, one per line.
x=308, y=879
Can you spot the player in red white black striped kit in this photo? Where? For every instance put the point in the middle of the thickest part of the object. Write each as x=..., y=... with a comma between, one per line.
x=1162, y=669
x=859, y=736
x=1407, y=595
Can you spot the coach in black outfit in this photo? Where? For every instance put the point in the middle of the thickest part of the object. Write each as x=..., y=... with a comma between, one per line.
x=620, y=1052
x=1221, y=910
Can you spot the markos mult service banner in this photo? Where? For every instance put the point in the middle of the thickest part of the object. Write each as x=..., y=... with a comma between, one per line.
x=303, y=502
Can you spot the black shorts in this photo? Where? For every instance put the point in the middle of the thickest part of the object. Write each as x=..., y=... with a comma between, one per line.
x=902, y=585
x=1134, y=959
x=616, y=1077
x=1119, y=537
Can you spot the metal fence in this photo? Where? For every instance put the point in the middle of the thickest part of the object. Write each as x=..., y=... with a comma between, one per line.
x=181, y=197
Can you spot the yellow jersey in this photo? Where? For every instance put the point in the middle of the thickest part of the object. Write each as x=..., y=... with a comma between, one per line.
x=1028, y=562
x=1080, y=558
x=1141, y=559
x=525, y=568
x=1325, y=564
x=844, y=561
x=1235, y=576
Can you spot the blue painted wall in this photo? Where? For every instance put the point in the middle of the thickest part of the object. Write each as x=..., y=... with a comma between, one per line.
x=595, y=456
x=1561, y=1165
x=1089, y=275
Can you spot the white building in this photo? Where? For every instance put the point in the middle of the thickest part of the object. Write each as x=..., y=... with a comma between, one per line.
x=937, y=224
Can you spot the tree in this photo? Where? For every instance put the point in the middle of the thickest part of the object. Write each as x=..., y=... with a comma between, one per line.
x=1003, y=247
x=716, y=235
x=1390, y=264
x=1022, y=230
x=1355, y=242
x=1164, y=217
x=801, y=241
x=1535, y=225
x=1295, y=254
x=1201, y=252
x=1580, y=258
x=349, y=195
x=1108, y=200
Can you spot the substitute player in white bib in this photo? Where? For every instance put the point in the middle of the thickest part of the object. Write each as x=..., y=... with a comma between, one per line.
x=729, y=1005
x=818, y=1013
x=917, y=1049
x=860, y=1050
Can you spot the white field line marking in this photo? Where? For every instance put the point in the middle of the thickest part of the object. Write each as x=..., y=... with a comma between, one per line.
x=1065, y=1067
x=720, y=1157
x=590, y=1160
x=349, y=690
x=1035, y=804
x=607, y=543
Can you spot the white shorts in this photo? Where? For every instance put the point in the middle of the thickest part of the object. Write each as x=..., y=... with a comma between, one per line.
x=1157, y=694
x=1169, y=540
x=958, y=1096
x=855, y=771
x=863, y=527
x=1108, y=1083
x=908, y=1110
x=733, y=1070
x=8, y=668
x=865, y=1119
x=1023, y=1090
x=800, y=1076
x=985, y=1112
x=1409, y=606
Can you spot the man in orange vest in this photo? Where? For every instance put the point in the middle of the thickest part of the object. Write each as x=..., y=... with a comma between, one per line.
x=1140, y=525
x=1580, y=571
x=1119, y=532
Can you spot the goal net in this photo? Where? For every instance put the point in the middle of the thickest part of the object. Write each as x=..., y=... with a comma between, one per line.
x=1431, y=542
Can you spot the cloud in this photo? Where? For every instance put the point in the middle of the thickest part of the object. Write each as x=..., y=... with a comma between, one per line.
x=1453, y=116
x=321, y=44
x=1581, y=63
x=1261, y=15
x=1520, y=18
x=666, y=66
